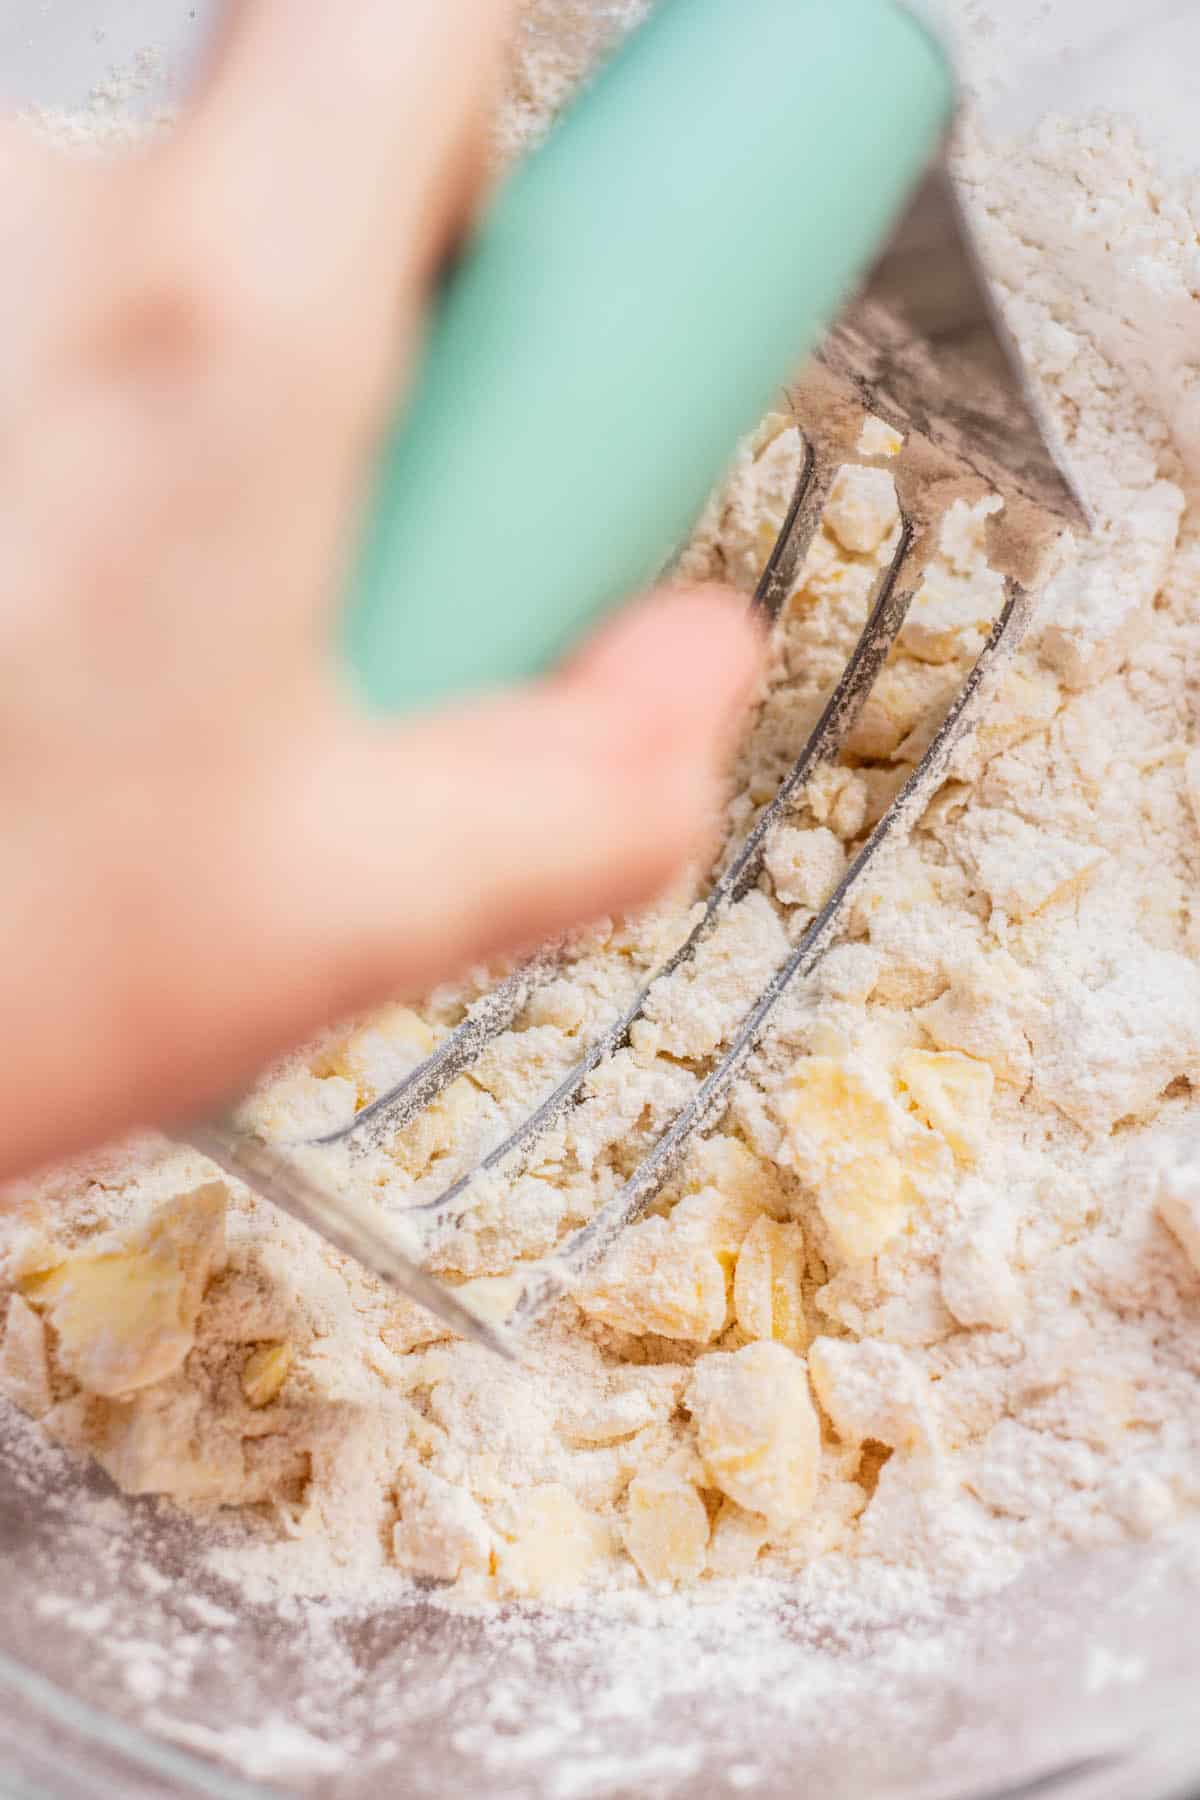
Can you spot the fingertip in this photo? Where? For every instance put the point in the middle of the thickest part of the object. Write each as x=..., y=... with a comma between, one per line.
x=524, y=814
x=666, y=684
x=689, y=650
x=679, y=668
x=723, y=641
x=699, y=622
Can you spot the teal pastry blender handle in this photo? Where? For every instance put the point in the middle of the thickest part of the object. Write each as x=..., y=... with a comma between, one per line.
x=636, y=294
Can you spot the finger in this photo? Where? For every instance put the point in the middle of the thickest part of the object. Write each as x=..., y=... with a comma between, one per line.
x=369, y=865
x=357, y=868
x=338, y=145
x=520, y=817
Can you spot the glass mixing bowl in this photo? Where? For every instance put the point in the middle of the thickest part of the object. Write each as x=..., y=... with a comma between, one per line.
x=128, y=1667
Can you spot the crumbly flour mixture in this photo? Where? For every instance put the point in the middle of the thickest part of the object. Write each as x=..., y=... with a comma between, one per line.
x=926, y=1301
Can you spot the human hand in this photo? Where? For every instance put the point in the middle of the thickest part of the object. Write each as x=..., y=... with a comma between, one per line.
x=207, y=851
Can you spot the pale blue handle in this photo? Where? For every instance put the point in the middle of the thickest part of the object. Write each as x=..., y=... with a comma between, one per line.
x=633, y=299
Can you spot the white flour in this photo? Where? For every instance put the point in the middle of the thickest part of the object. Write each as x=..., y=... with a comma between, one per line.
x=924, y=1307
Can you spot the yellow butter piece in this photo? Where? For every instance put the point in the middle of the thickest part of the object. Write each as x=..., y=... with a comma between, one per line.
x=729, y=1166
x=737, y=1537
x=768, y=1296
x=614, y=1417
x=661, y=1281
x=757, y=1429
x=126, y=1318
x=865, y=1155
x=717, y=1221
x=264, y=1372
x=158, y=1441
x=878, y=438
x=554, y=1546
x=863, y=509
x=490, y=1297
x=952, y=1093
x=383, y=1051
x=866, y=1204
x=833, y=1114
x=666, y=1528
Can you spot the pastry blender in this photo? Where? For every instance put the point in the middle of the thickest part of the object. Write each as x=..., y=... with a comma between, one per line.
x=640, y=288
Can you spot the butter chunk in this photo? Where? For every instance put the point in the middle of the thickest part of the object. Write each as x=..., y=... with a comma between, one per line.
x=490, y=1297
x=666, y=1528
x=953, y=1094
x=768, y=1295
x=869, y=1390
x=863, y=509
x=757, y=1430
x=1024, y=870
x=978, y=1283
x=866, y=1204
x=441, y=1532
x=979, y=1015
x=878, y=438
x=737, y=1538
x=554, y=1544
x=849, y=1139
x=1106, y=1043
x=126, y=1318
x=662, y=1281
x=726, y=1164
x=834, y=1111
x=299, y=1106
x=805, y=866
x=947, y=617
x=720, y=1222
x=158, y=1441
x=24, y=1363
x=383, y=1051
x=264, y=1372
x=614, y=1417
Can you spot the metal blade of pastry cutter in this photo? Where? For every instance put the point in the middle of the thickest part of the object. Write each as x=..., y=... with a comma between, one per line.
x=342, y=1221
